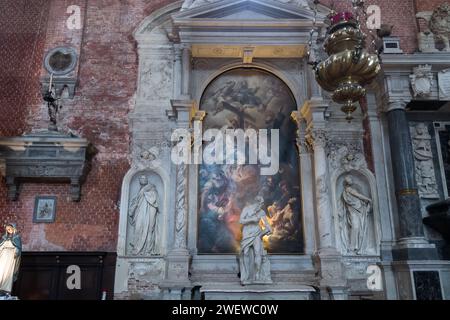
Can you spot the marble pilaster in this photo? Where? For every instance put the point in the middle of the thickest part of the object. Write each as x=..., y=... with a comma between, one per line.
x=177, y=67
x=328, y=260
x=177, y=283
x=306, y=167
x=186, y=71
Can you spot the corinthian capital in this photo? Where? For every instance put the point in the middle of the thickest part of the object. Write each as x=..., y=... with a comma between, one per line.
x=317, y=138
x=302, y=145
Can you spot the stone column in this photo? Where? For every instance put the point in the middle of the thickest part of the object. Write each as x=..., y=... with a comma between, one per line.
x=384, y=200
x=186, y=71
x=177, y=69
x=307, y=180
x=181, y=208
x=177, y=283
x=412, y=244
x=317, y=139
x=328, y=260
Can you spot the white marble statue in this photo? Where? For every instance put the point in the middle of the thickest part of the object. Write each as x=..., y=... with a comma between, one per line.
x=423, y=156
x=254, y=263
x=438, y=24
x=427, y=43
x=357, y=208
x=144, y=212
x=10, y=251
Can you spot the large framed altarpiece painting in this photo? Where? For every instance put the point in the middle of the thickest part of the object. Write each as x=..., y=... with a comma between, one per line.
x=249, y=98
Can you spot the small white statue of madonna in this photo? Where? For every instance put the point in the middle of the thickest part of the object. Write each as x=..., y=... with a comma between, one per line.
x=10, y=252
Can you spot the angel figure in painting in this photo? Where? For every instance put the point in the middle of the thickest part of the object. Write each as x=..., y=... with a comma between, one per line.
x=254, y=263
x=10, y=251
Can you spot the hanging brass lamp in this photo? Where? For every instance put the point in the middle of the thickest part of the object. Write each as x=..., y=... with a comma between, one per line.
x=349, y=67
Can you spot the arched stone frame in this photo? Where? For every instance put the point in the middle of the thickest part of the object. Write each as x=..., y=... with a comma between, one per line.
x=123, y=259
x=299, y=94
x=125, y=201
x=371, y=181
x=155, y=19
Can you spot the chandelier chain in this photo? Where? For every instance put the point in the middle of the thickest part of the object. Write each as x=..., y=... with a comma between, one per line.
x=312, y=31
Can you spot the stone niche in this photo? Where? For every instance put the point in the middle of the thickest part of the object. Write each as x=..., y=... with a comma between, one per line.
x=368, y=245
x=355, y=202
x=136, y=189
x=142, y=233
x=61, y=63
x=45, y=157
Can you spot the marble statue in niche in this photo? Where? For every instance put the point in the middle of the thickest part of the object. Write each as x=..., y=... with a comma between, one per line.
x=253, y=260
x=143, y=217
x=354, y=217
x=424, y=166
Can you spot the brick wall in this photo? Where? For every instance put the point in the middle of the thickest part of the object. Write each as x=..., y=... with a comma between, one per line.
x=104, y=96
x=22, y=37
x=399, y=13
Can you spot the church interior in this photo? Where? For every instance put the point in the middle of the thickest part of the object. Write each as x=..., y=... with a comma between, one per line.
x=122, y=176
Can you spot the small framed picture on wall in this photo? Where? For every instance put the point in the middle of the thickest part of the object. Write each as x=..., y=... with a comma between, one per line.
x=44, y=209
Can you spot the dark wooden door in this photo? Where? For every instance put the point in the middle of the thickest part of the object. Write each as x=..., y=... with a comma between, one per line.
x=44, y=275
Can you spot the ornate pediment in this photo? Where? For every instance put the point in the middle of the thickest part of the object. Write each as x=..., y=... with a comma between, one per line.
x=254, y=9
x=245, y=21
x=190, y=4
x=279, y=9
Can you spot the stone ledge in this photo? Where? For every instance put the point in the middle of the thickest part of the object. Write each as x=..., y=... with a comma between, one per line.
x=235, y=291
x=42, y=156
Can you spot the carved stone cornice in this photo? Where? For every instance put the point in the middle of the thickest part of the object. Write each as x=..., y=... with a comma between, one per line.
x=292, y=26
x=315, y=113
x=183, y=111
x=43, y=157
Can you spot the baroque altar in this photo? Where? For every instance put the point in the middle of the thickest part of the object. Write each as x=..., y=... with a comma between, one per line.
x=241, y=64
